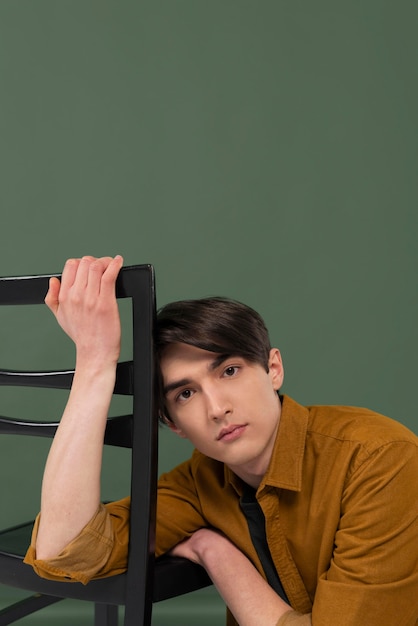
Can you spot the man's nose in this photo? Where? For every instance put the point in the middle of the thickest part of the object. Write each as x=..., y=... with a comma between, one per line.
x=218, y=404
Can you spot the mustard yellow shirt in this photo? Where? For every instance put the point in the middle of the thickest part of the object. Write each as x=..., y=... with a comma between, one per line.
x=340, y=499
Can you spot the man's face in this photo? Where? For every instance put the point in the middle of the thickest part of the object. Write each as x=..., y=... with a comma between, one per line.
x=228, y=408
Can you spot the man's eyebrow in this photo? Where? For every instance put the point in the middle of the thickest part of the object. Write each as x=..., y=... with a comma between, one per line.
x=217, y=361
x=175, y=385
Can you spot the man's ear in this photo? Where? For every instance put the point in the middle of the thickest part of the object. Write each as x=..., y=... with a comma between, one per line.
x=276, y=371
x=175, y=429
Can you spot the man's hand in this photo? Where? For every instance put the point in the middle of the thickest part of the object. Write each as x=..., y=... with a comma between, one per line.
x=85, y=306
x=194, y=547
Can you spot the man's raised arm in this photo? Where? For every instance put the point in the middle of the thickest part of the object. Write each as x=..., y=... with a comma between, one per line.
x=85, y=306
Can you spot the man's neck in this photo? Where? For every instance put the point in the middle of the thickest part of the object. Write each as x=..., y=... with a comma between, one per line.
x=254, y=471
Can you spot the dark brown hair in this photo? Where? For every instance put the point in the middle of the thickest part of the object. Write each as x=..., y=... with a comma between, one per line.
x=216, y=324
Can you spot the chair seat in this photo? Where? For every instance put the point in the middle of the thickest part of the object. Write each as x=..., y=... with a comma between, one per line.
x=172, y=575
x=13, y=572
x=14, y=541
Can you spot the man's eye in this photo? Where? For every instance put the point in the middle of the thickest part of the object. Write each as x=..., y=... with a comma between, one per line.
x=185, y=394
x=231, y=370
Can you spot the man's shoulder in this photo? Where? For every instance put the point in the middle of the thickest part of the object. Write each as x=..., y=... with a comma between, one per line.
x=342, y=439
x=357, y=424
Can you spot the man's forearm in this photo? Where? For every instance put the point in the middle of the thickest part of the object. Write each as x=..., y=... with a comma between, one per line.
x=71, y=484
x=248, y=596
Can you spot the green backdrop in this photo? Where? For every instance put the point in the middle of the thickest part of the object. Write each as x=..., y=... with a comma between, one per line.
x=262, y=150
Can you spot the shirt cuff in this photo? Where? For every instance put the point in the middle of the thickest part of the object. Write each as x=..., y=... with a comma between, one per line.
x=292, y=618
x=75, y=562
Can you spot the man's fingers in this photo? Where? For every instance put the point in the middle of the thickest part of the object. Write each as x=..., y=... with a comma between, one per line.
x=89, y=275
x=51, y=298
x=69, y=274
x=81, y=278
x=110, y=275
x=102, y=276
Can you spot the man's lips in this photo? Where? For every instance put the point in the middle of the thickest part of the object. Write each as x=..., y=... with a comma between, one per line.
x=230, y=433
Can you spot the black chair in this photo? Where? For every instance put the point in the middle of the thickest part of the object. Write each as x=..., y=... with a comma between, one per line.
x=146, y=580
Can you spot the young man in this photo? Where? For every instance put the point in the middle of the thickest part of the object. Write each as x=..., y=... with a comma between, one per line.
x=321, y=502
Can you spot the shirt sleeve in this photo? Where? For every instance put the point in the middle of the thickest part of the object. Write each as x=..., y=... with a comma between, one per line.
x=292, y=618
x=99, y=550
x=179, y=510
x=373, y=574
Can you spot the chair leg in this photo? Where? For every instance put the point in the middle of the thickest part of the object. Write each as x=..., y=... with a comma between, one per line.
x=24, y=607
x=105, y=615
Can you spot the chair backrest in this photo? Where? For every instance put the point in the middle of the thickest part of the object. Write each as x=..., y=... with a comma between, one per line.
x=138, y=431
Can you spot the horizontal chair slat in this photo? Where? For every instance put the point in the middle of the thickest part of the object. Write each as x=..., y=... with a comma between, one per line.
x=14, y=426
x=118, y=429
x=16, y=290
x=63, y=379
x=48, y=380
x=24, y=289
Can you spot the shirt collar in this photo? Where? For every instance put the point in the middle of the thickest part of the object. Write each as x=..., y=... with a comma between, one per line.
x=285, y=468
